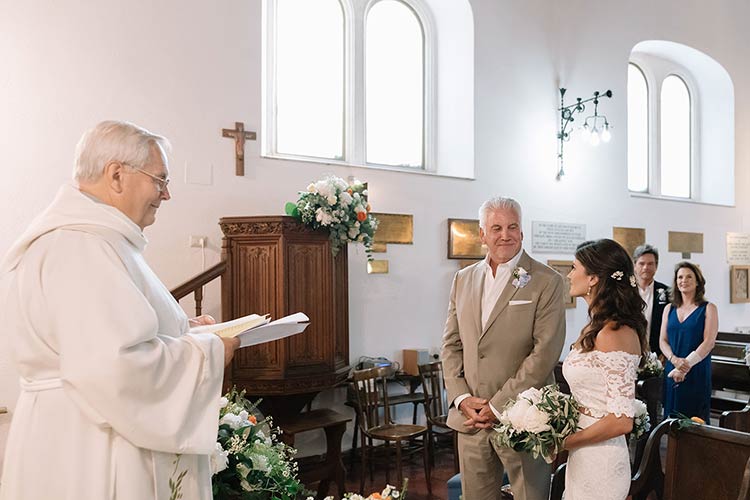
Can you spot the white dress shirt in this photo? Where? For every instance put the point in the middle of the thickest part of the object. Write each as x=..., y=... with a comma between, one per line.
x=647, y=294
x=493, y=287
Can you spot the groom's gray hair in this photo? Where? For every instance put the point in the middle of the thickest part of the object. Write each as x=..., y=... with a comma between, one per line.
x=498, y=203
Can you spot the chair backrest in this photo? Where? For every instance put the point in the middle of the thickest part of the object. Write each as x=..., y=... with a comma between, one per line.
x=433, y=386
x=738, y=420
x=370, y=386
x=705, y=462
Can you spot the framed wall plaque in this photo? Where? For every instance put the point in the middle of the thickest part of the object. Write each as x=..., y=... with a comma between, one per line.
x=563, y=267
x=464, y=241
x=739, y=284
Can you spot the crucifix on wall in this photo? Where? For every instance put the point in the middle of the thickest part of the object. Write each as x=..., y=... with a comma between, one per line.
x=240, y=136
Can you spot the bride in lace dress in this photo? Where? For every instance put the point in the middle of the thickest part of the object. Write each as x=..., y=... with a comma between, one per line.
x=601, y=371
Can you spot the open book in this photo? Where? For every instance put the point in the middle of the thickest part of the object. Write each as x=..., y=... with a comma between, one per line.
x=254, y=329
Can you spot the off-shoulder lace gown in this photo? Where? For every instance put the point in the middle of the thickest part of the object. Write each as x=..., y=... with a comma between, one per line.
x=601, y=382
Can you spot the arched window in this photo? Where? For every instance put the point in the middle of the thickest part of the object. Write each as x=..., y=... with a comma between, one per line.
x=354, y=83
x=675, y=137
x=637, y=130
x=394, y=85
x=680, y=124
x=309, y=47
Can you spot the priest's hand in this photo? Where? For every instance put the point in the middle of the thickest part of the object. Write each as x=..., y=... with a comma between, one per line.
x=206, y=319
x=230, y=345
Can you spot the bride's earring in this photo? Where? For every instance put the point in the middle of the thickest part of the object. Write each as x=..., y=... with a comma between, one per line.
x=588, y=293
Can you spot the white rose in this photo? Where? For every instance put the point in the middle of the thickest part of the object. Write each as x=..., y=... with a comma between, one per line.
x=345, y=198
x=533, y=394
x=639, y=407
x=517, y=414
x=323, y=189
x=311, y=188
x=331, y=199
x=231, y=420
x=536, y=421
x=323, y=217
x=223, y=402
x=219, y=459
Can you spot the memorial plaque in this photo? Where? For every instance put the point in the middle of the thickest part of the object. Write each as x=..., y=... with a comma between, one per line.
x=563, y=267
x=556, y=237
x=738, y=248
x=464, y=241
x=377, y=267
x=629, y=237
x=394, y=228
x=685, y=243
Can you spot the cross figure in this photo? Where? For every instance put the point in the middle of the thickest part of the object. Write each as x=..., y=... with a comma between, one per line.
x=240, y=136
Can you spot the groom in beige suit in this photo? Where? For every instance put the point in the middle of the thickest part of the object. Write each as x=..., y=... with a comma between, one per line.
x=504, y=334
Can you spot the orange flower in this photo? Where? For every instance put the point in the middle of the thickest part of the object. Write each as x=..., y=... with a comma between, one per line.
x=698, y=420
x=368, y=207
x=350, y=191
x=361, y=216
x=252, y=419
x=376, y=496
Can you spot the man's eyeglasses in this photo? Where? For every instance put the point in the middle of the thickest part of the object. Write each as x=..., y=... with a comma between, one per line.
x=161, y=184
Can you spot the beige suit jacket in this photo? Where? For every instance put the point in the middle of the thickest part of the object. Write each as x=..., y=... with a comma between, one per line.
x=519, y=346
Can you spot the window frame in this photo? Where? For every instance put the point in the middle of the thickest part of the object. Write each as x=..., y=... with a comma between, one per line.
x=656, y=70
x=353, y=133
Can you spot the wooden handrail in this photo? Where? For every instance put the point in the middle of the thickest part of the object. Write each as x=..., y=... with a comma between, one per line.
x=195, y=284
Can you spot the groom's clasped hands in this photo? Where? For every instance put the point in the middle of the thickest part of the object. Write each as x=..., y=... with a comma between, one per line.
x=478, y=413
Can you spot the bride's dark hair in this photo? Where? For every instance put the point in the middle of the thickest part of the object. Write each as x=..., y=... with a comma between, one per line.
x=615, y=298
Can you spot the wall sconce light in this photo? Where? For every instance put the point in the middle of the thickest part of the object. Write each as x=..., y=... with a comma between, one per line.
x=595, y=127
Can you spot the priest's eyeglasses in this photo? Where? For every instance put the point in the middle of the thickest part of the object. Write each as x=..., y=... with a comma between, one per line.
x=161, y=184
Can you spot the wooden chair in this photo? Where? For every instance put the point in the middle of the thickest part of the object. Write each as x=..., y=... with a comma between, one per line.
x=436, y=410
x=370, y=387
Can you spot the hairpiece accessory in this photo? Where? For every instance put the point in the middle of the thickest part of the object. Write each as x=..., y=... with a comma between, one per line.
x=632, y=281
x=617, y=275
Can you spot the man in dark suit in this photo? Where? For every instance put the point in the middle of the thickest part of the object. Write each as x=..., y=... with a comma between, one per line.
x=653, y=293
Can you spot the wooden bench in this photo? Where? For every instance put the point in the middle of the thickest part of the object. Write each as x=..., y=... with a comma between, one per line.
x=729, y=371
x=330, y=467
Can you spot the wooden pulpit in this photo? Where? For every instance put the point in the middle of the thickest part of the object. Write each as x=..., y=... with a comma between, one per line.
x=278, y=266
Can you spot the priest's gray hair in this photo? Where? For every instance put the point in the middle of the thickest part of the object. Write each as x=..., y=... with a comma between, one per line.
x=114, y=141
x=498, y=203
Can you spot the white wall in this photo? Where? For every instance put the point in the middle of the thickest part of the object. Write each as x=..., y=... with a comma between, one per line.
x=186, y=69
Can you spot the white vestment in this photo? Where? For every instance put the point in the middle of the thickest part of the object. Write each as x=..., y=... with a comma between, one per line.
x=116, y=400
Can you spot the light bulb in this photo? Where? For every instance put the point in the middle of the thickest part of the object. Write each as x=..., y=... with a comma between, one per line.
x=595, y=137
x=606, y=134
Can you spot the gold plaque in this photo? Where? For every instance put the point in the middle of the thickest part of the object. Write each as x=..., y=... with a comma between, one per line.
x=563, y=267
x=377, y=267
x=629, y=237
x=685, y=242
x=379, y=247
x=464, y=241
x=394, y=228
x=739, y=284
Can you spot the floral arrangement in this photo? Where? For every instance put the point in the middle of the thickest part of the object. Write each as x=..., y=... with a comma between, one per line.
x=537, y=421
x=389, y=493
x=249, y=462
x=652, y=367
x=339, y=206
x=641, y=421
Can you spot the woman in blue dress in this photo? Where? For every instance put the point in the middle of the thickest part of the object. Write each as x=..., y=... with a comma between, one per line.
x=688, y=334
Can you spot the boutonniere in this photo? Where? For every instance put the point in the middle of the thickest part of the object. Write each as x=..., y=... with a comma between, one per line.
x=662, y=295
x=521, y=277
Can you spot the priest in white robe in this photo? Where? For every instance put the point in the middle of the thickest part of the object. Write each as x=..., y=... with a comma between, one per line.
x=118, y=400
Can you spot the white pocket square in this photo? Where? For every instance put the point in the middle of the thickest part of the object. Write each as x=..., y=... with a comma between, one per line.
x=519, y=302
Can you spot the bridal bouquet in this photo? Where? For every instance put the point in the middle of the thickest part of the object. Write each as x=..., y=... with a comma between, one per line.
x=537, y=421
x=652, y=367
x=339, y=206
x=249, y=462
x=641, y=421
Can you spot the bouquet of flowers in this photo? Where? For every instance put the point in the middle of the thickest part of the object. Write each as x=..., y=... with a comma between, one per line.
x=249, y=462
x=537, y=421
x=339, y=206
x=652, y=367
x=389, y=493
x=641, y=421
